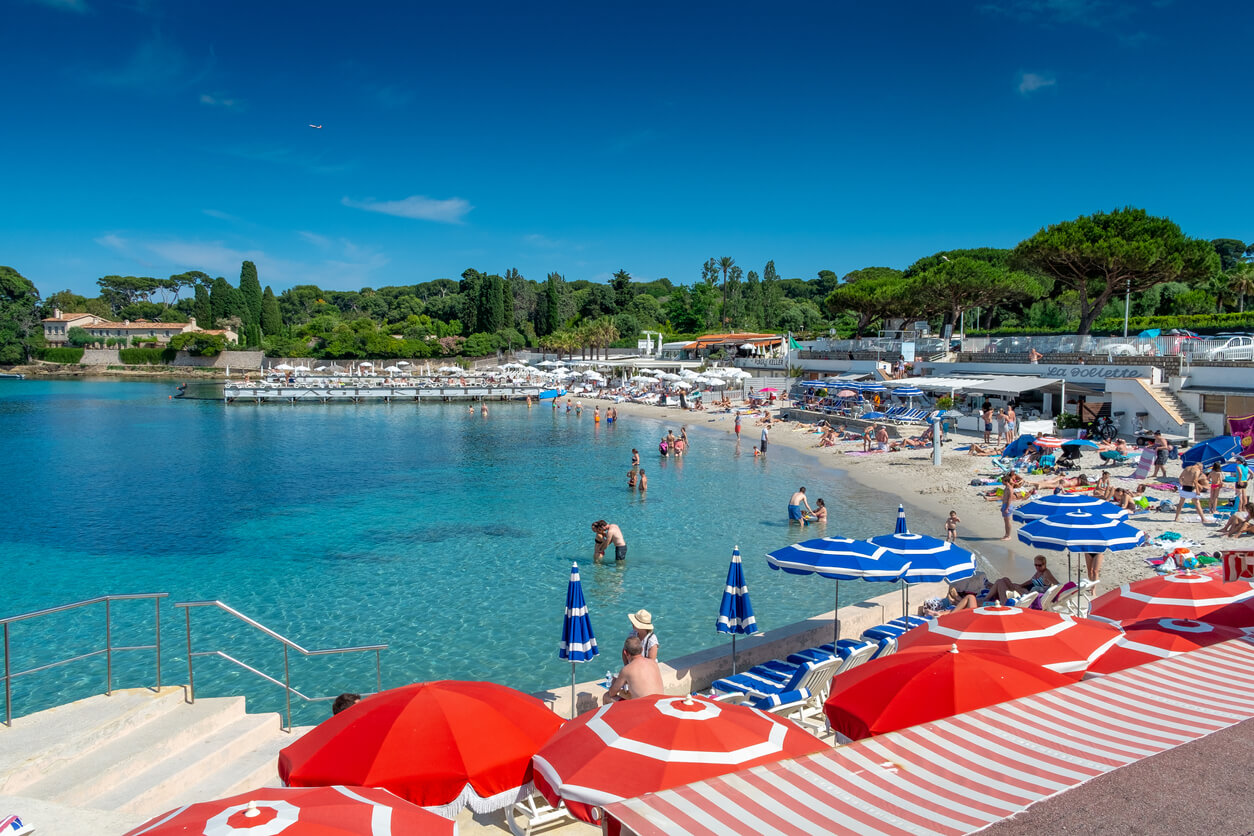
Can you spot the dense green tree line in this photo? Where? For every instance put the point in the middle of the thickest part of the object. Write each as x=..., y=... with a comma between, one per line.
x=1067, y=276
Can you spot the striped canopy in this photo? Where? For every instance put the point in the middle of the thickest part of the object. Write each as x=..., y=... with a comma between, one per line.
x=1048, y=442
x=907, y=391
x=873, y=387
x=838, y=559
x=1079, y=531
x=1054, y=504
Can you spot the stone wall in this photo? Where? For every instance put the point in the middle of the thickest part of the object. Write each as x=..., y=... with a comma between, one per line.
x=100, y=357
x=233, y=359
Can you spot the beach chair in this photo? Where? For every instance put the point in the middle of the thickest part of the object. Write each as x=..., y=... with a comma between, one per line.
x=886, y=635
x=534, y=812
x=845, y=649
x=765, y=685
x=801, y=704
x=1067, y=600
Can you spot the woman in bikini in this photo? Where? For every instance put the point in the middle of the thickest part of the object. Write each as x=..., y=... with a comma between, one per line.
x=1104, y=487
x=1041, y=580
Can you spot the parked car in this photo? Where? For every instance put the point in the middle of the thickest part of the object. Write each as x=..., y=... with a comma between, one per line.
x=1123, y=350
x=1234, y=348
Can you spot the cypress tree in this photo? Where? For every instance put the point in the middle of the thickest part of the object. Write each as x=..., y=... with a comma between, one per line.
x=220, y=300
x=250, y=290
x=271, y=316
x=202, y=309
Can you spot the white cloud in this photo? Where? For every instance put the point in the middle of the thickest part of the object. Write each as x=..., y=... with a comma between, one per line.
x=1031, y=82
x=220, y=215
x=320, y=241
x=419, y=207
x=113, y=242
x=220, y=101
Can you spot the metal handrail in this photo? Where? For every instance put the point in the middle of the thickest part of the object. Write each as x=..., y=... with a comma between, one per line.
x=108, y=650
x=288, y=644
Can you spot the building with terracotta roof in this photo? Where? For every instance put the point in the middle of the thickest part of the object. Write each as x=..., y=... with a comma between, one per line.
x=734, y=344
x=57, y=328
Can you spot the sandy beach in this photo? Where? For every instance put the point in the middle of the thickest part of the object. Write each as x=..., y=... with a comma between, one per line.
x=930, y=493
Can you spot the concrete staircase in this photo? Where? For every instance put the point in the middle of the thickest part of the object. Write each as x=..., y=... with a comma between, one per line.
x=139, y=752
x=1180, y=410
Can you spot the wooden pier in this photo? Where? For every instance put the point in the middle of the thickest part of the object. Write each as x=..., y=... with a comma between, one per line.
x=373, y=393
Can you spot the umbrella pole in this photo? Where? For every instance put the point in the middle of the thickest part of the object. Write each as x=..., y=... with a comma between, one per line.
x=572, y=690
x=836, y=616
x=733, y=654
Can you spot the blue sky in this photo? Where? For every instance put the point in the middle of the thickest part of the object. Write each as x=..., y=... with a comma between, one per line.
x=149, y=137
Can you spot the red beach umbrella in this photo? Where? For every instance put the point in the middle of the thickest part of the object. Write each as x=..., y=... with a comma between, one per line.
x=1048, y=442
x=906, y=689
x=442, y=745
x=653, y=743
x=1239, y=615
x=316, y=811
x=1060, y=642
x=1182, y=595
x=1158, y=638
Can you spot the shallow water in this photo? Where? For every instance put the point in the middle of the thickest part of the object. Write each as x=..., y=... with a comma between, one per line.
x=445, y=535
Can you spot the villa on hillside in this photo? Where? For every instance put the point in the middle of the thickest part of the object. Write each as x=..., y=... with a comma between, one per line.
x=57, y=328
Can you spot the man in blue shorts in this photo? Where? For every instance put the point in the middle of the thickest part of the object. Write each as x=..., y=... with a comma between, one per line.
x=795, y=511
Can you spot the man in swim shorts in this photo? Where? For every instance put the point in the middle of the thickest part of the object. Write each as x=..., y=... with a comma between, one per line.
x=607, y=533
x=795, y=511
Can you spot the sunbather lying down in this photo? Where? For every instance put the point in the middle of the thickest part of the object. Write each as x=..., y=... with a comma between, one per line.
x=1063, y=482
x=984, y=450
x=952, y=602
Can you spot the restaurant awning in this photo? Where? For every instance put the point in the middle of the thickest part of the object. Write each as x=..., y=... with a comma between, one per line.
x=961, y=774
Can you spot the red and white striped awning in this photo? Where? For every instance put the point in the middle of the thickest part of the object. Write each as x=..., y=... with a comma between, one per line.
x=963, y=773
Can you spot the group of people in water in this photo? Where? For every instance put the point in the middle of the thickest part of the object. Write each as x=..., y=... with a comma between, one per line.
x=799, y=509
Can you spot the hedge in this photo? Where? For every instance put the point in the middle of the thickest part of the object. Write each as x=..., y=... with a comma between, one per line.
x=146, y=356
x=61, y=354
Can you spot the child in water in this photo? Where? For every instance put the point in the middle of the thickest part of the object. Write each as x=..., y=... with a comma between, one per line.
x=644, y=482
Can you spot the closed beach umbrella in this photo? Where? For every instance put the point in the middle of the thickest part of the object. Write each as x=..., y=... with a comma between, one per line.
x=837, y=559
x=299, y=811
x=442, y=745
x=578, y=642
x=1212, y=450
x=1060, y=642
x=901, y=527
x=1158, y=638
x=906, y=689
x=1053, y=504
x=735, y=613
x=1184, y=595
x=653, y=743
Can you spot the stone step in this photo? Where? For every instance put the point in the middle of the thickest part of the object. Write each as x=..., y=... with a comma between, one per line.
x=47, y=741
x=130, y=754
x=151, y=792
x=251, y=770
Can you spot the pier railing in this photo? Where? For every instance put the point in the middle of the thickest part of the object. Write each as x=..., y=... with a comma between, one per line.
x=288, y=646
x=107, y=651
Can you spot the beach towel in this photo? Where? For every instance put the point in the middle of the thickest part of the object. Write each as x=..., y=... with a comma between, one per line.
x=1144, y=464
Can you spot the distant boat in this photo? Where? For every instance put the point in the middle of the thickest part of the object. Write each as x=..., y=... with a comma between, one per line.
x=7, y=376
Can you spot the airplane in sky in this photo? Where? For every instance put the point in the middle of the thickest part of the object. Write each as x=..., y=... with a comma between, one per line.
x=316, y=127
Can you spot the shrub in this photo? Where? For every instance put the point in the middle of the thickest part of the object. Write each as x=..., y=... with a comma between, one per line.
x=62, y=354
x=199, y=343
x=146, y=356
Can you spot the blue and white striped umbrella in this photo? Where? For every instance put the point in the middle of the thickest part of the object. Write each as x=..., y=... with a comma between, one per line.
x=924, y=559
x=838, y=559
x=874, y=387
x=1080, y=531
x=907, y=392
x=1054, y=504
x=735, y=613
x=578, y=642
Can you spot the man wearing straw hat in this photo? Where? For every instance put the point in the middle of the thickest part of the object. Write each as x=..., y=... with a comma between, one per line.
x=642, y=621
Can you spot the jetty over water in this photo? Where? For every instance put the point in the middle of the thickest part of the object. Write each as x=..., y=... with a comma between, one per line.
x=358, y=391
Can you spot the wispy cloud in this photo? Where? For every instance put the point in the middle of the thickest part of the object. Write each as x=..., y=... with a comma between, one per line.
x=79, y=6
x=419, y=207
x=222, y=216
x=221, y=101
x=157, y=64
x=1031, y=82
x=283, y=155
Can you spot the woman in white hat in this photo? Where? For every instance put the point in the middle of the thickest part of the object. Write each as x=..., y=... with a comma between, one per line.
x=642, y=621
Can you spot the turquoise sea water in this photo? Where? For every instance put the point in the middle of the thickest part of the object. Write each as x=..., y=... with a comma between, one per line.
x=445, y=535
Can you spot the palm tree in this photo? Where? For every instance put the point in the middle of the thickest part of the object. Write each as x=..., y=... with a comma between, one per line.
x=725, y=263
x=1241, y=281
